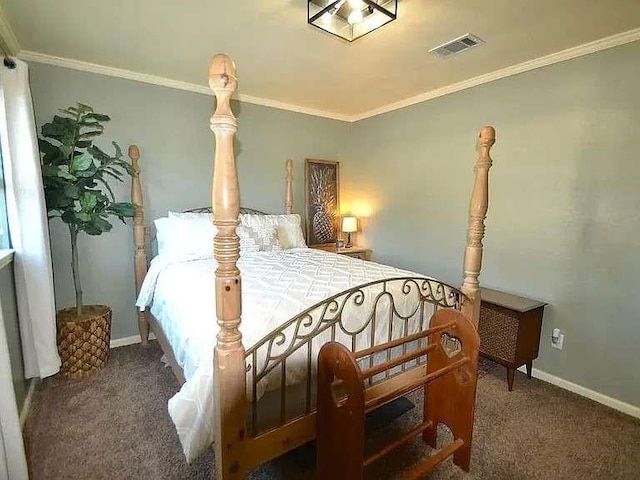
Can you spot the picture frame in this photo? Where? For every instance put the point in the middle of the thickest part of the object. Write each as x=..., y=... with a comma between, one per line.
x=322, y=201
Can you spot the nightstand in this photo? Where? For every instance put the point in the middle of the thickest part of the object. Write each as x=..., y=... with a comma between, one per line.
x=509, y=329
x=355, y=251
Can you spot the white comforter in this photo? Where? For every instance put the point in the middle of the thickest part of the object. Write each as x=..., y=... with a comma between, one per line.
x=275, y=287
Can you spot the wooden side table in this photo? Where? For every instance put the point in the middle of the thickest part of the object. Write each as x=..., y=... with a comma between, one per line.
x=355, y=251
x=509, y=329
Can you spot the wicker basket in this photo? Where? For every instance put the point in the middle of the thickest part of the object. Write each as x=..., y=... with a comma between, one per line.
x=83, y=344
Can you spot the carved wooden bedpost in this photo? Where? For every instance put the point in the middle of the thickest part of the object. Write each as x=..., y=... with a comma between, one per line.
x=140, y=257
x=288, y=199
x=477, y=214
x=230, y=392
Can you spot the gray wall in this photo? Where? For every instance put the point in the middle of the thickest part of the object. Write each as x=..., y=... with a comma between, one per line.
x=10, y=320
x=563, y=225
x=171, y=128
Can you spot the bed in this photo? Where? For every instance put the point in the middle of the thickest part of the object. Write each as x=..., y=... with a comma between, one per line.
x=250, y=385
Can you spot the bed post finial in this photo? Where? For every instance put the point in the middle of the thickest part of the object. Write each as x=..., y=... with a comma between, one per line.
x=288, y=199
x=230, y=401
x=140, y=256
x=477, y=213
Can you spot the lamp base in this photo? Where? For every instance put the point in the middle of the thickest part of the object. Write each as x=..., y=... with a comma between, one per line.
x=348, y=244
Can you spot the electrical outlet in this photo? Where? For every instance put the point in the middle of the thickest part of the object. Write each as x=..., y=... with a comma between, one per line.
x=557, y=339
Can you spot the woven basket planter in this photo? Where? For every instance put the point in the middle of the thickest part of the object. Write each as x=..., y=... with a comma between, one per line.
x=83, y=344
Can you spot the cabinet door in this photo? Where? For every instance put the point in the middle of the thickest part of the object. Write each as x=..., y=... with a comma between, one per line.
x=498, y=330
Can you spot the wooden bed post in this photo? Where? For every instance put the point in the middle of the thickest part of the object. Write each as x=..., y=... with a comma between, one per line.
x=288, y=199
x=140, y=258
x=477, y=214
x=230, y=395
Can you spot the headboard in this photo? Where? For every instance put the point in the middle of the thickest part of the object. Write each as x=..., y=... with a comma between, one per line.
x=251, y=211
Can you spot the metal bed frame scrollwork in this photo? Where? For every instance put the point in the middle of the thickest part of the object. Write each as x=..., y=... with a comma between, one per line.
x=246, y=436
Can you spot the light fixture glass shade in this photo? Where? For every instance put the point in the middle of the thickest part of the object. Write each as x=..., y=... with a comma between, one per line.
x=350, y=20
x=349, y=224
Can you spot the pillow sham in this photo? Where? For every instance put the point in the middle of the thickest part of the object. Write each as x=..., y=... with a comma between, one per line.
x=177, y=236
x=194, y=216
x=288, y=227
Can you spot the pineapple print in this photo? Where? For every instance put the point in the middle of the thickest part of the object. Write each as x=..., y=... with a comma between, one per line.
x=323, y=199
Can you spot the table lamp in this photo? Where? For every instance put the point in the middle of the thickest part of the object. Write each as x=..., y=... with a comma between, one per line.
x=349, y=225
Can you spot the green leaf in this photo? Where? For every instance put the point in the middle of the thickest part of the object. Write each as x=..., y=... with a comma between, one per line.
x=113, y=175
x=83, y=216
x=62, y=129
x=98, y=154
x=81, y=163
x=69, y=216
x=106, y=185
x=90, y=134
x=65, y=150
x=47, y=147
x=88, y=201
x=89, y=172
x=66, y=175
x=117, y=149
x=126, y=166
x=96, y=116
x=71, y=191
x=84, y=108
x=92, y=124
x=73, y=111
x=97, y=226
x=123, y=209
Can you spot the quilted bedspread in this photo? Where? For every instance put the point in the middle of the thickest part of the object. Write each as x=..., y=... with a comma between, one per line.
x=275, y=287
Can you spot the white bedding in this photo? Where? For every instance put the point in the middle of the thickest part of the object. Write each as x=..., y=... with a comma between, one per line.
x=275, y=287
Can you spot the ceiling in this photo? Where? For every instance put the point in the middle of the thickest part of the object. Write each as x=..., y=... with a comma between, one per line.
x=280, y=58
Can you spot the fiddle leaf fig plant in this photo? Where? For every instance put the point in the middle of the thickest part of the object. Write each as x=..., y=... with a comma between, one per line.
x=76, y=175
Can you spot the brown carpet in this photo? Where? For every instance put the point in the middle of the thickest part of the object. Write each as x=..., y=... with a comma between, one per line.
x=115, y=425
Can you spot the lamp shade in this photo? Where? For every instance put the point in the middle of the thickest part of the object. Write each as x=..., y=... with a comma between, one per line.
x=349, y=224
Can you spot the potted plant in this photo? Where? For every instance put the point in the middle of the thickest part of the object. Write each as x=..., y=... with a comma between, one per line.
x=76, y=175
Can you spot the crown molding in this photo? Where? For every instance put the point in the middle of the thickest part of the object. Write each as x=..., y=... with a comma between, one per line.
x=568, y=54
x=561, y=56
x=30, y=56
x=8, y=40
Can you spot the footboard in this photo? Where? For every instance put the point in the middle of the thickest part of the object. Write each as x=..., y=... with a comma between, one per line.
x=282, y=368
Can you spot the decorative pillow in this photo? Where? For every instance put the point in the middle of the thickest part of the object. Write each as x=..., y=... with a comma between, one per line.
x=258, y=237
x=177, y=236
x=288, y=227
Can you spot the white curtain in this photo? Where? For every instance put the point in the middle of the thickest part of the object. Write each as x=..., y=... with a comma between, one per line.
x=13, y=465
x=28, y=226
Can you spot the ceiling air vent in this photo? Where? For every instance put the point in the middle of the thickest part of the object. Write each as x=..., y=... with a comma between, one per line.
x=457, y=45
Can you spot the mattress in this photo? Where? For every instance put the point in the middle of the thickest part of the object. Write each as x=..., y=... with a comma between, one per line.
x=276, y=286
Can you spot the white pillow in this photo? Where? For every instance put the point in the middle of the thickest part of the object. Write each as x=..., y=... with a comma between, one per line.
x=288, y=227
x=177, y=236
x=196, y=216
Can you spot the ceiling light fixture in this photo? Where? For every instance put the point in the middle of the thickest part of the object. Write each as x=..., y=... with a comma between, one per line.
x=351, y=19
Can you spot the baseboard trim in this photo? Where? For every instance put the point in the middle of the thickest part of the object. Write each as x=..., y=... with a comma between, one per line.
x=585, y=392
x=26, y=406
x=123, y=342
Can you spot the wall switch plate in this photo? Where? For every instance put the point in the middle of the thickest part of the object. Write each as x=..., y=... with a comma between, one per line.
x=557, y=339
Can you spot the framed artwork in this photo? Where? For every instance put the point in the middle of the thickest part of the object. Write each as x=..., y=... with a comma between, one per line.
x=322, y=200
